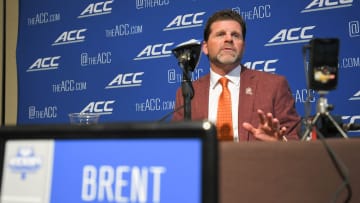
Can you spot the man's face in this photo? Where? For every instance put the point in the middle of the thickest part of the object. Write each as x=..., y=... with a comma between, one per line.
x=225, y=45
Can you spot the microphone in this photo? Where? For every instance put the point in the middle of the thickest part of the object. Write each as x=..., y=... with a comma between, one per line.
x=188, y=54
x=350, y=126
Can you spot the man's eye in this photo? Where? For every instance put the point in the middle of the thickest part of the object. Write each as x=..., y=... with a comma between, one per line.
x=237, y=36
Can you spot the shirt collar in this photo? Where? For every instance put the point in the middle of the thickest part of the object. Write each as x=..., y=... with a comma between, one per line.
x=233, y=76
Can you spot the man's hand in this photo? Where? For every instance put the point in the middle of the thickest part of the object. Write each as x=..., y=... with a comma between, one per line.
x=268, y=129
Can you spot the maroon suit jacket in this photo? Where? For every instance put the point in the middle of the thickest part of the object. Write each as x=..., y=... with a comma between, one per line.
x=269, y=92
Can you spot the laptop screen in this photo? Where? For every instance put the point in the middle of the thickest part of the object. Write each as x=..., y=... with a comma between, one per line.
x=139, y=162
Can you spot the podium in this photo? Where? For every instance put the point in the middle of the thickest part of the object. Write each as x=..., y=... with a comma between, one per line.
x=295, y=172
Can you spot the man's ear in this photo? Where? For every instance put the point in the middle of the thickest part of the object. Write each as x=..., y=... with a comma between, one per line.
x=204, y=48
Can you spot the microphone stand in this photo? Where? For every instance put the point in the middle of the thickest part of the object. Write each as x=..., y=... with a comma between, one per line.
x=187, y=54
x=186, y=84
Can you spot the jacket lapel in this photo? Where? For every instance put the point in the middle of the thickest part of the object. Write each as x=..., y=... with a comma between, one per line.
x=200, y=104
x=248, y=84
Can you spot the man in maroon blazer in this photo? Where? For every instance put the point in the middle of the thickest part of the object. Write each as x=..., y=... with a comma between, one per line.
x=252, y=92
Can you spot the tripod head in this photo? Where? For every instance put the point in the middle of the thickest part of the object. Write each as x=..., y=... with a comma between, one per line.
x=322, y=105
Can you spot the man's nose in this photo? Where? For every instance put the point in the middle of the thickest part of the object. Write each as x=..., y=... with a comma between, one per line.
x=228, y=37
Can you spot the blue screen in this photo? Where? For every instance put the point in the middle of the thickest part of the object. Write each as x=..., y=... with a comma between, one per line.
x=137, y=170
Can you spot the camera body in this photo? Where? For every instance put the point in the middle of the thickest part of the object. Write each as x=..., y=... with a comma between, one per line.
x=323, y=64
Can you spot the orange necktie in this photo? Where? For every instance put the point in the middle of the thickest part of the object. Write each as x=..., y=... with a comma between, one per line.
x=224, y=115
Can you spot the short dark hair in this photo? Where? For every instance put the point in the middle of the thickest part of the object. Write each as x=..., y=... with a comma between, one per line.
x=226, y=14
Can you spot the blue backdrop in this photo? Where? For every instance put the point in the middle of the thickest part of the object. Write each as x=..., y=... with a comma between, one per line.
x=114, y=57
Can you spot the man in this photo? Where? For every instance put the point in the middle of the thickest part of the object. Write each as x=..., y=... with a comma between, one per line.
x=252, y=92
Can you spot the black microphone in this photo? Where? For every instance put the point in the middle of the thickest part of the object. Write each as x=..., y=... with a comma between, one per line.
x=350, y=126
x=188, y=54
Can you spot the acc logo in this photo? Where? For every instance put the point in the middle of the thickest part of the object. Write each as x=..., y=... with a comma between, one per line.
x=304, y=95
x=72, y=36
x=262, y=65
x=25, y=162
x=94, y=9
x=99, y=107
x=317, y=5
x=185, y=21
x=356, y=96
x=155, y=51
x=126, y=80
x=42, y=64
x=291, y=36
x=350, y=119
x=354, y=28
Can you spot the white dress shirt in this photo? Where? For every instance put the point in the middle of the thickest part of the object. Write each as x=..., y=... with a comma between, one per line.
x=215, y=91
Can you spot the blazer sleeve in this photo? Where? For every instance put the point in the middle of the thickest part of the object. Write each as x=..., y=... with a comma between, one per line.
x=179, y=102
x=270, y=93
x=285, y=110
